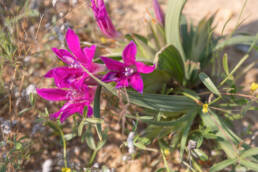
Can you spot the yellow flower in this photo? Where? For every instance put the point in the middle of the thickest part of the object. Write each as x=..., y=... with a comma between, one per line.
x=103, y=40
x=254, y=87
x=205, y=108
x=167, y=152
x=66, y=170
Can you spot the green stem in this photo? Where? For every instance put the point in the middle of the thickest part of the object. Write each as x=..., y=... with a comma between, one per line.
x=165, y=161
x=92, y=158
x=215, y=100
x=64, y=146
x=164, y=157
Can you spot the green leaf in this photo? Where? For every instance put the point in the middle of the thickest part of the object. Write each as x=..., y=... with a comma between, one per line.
x=143, y=147
x=145, y=49
x=249, y=164
x=191, y=115
x=3, y=168
x=225, y=63
x=240, y=39
x=172, y=24
x=90, y=140
x=161, y=170
x=96, y=109
x=157, y=102
x=70, y=136
x=18, y=146
x=202, y=41
x=201, y=154
x=101, y=144
x=81, y=125
x=169, y=59
x=208, y=83
x=176, y=122
x=226, y=138
x=249, y=152
x=53, y=125
x=154, y=81
x=235, y=69
x=222, y=165
x=158, y=34
x=163, y=103
x=94, y=120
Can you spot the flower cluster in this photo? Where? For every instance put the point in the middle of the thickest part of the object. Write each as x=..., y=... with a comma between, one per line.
x=77, y=88
x=74, y=86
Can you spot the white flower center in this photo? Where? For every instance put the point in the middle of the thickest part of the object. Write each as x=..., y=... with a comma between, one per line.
x=129, y=71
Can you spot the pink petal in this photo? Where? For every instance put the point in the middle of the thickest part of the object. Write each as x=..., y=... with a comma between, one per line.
x=90, y=111
x=70, y=110
x=113, y=65
x=89, y=52
x=65, y=76
x=143, y=68
x=53, y=94
x=122, y=83
x=97, y=68
x=129, y=54
x=54, y=115
x=100, y=3
x=110, y=76
x=90, y=93
x=158, y=12
x=136, y=82
x=64, y=55
x=60, y=70
x=73, y=43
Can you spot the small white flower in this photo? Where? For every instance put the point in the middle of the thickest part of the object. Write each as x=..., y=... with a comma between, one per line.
x=96, y=165
x=31, y=89
x=74, y=2
x=6, y=127
x=191, y=144
x=54, y=3
x=47, y=165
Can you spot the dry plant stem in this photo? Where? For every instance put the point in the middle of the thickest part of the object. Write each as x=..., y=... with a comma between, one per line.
x=124, y=106
x=231, y=94
x=41, y=18
x=189, y=166
x=223, y=110
x=11, y=88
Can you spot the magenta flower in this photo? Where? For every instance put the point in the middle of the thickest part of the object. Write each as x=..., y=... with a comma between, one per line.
x=76, y=99
x=127, y=73
x=103, y=20
x=73, y=74
x=158, y=12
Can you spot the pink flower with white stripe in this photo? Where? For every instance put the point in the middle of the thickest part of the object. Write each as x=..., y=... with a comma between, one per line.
x=76, y=99
x=73, y=74
x=127, y=73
